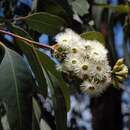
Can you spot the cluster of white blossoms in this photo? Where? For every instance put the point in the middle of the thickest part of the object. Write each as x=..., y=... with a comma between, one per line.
x=86, y=59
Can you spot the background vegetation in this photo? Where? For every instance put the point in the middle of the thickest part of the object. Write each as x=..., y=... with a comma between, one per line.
x=33, y=95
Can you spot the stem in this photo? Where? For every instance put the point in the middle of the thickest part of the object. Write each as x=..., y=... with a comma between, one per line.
x=36, y=44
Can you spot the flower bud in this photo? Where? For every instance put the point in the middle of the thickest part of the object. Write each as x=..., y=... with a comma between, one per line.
x=120, y=72
x=119, y=78
x=120, y=61
x=118, y=67
x=124, y=71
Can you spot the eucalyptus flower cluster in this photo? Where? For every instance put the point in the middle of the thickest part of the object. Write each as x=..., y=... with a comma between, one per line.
x=85, y=59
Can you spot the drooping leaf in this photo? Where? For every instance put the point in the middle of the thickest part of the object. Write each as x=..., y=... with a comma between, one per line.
x=56, y=9
x=44, y=22
x=16, y=89
x=65, y=5
x=36, y=109
x=61, y=9
x=58, y=101
x=34, y=57
x=35, y=115
x=3, y=117
x=51, y=67
x=35, y=125
x=30, y=53
x=58, y=98
x=47, y=62
x=118, y=8
x=80, y=7
x=2, y=53
x=44, y=125
x=51, y=6
x=94, y=36
x=127, y=53
x=126, y=43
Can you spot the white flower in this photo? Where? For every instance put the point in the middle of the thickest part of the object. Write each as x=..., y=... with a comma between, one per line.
x=96, y=45
x=93, y=88
x=89, y=88
x=63, y=39
x=82, y=68
x=96, y=50
x=70, y=63
x=86, y=59
x=67, y=38
x=59, y=67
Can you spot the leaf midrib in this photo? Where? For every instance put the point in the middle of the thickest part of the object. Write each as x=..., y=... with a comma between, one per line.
x=16, y=84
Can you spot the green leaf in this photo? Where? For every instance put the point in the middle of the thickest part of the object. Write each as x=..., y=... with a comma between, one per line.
x=30, y=53
x=80, y=7
x=2, y=53
x=44, y=22
x=3, y=117
x=58, y=101
x=126, y=42
x=52, y=7
x=36, y=66
x=58, y=96
x=65, y=5
x=93, y=36
x=58, y=8
x=35, y=125
x=16, y=89
x=51, y=67
x=46, y=62
x=127, y=53
x=55, y=9
x=44, y=125
x=36, y=109
x=34, y=57
x=36, y=115
x=118, y=8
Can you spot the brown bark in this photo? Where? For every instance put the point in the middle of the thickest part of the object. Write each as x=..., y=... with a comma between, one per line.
x=106, y=111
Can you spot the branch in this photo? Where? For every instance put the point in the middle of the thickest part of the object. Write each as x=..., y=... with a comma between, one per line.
x=36, y=44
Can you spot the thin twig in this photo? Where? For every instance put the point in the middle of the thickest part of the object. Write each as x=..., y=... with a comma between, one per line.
x=36, y=44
